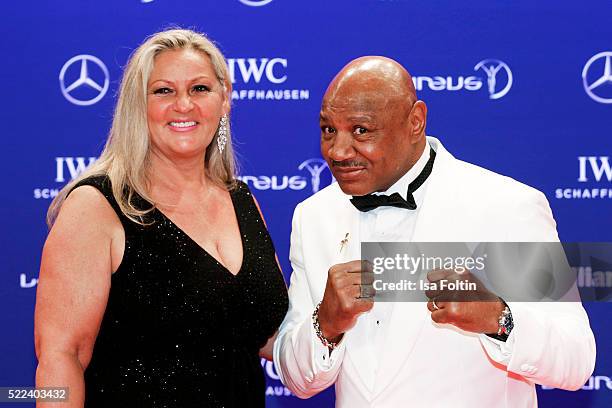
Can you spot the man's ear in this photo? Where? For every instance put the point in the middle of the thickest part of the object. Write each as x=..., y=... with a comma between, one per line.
x=418, y=120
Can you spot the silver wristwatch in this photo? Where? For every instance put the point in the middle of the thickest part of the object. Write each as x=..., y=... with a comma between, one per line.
x=505, y=322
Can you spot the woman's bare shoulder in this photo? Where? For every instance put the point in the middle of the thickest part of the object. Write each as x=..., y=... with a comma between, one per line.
x=86, y=207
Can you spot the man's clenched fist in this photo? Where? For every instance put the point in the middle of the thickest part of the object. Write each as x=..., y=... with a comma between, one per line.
x=475, y=311
x=348, y=293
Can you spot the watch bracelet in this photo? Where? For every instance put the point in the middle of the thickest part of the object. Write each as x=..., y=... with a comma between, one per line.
x=505, y=321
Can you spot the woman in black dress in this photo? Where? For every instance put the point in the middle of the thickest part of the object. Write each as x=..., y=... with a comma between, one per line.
x=159, y=285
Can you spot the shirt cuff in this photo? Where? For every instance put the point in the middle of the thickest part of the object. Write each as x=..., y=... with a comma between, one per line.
x=325, y=360
x=500, y=351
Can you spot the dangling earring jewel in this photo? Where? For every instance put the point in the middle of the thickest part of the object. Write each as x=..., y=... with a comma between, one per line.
x=222, y=134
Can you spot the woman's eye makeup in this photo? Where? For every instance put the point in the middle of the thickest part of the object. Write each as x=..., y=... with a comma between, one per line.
x=162, y=91
x=201, y=88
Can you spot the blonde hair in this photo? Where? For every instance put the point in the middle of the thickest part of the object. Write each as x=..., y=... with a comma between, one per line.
x=125, y=157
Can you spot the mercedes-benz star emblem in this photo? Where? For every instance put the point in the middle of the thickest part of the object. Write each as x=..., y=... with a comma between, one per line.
x=84, y=79
x=491, y=67
x=602, y=71
x=255, y=3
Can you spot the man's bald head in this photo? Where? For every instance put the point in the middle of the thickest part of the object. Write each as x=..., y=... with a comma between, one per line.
x=383, y=77
x=372, y=125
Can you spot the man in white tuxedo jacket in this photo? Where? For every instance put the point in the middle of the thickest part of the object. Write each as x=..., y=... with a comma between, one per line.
x=408, y=354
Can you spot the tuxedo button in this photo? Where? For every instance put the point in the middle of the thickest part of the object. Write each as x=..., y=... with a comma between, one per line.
x=527, y=368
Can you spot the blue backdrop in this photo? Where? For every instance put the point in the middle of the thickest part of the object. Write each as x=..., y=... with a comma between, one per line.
x=523, y=88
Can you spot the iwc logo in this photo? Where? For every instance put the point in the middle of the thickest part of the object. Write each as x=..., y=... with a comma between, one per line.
x=594, y=176
x=262, y=79
x=66, y=169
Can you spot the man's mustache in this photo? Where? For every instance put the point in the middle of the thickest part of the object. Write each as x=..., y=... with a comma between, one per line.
x=348, y=163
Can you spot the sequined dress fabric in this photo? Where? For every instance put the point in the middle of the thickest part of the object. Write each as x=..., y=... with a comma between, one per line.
x=179, y=329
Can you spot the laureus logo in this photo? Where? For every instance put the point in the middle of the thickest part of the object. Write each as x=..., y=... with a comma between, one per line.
x=595, y=383
x=498, y=80
x=296, y=182
x=492, y=68
x=315, y=167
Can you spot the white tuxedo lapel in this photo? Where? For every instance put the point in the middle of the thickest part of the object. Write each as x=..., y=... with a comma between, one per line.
x=356, y=348
x=338, y=235
x=346, y=245
x=436, y=215
x=408, y=318
x=343, y=243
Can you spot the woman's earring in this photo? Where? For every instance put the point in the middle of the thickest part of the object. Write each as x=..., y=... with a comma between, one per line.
x=222, y=134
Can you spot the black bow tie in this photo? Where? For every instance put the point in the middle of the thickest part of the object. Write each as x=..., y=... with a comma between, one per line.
x=371, y=201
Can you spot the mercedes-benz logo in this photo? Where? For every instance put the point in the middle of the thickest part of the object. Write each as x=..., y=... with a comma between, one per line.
x=84, y=79
x=314, y=167
x=491, y=67
x=604, y=77
x=255, y=3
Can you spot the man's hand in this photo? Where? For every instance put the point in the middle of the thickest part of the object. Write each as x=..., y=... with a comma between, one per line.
x=348, y=293
x=475, y=311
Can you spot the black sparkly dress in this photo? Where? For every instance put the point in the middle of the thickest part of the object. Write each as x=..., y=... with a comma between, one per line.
x=179, y=329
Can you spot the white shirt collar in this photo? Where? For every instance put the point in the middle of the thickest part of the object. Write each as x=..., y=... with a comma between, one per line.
x=401, y=185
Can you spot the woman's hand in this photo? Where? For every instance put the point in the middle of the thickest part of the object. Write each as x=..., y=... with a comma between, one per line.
x=267, y=350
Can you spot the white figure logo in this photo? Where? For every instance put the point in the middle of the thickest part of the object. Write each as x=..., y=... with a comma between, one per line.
x=314, y=167
x=601, y=82
x=84, y=79
x=491, y=67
